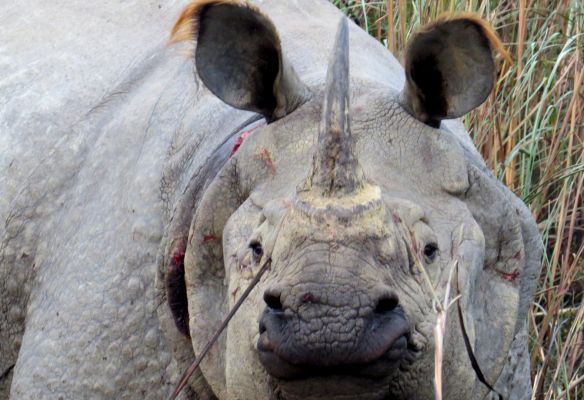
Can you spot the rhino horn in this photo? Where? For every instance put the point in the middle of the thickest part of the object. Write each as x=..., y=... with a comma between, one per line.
x=335, y=169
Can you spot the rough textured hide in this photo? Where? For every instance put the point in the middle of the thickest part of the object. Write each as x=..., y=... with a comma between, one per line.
x=112, y=152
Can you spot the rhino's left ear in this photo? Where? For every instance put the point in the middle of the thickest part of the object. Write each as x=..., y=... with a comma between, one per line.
x=450, y=68
x=239, y=57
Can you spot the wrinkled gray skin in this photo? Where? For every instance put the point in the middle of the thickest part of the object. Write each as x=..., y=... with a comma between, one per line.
x=108, y=143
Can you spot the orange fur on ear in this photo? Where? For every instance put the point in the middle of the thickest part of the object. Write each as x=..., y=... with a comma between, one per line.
x=186, y=26
x=488, y=31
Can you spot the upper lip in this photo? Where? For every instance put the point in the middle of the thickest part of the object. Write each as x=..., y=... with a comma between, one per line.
x=378, y=334
x=379, y=366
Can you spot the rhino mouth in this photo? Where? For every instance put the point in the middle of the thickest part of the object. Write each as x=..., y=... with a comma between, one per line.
x=384, y=345
x=391, y=359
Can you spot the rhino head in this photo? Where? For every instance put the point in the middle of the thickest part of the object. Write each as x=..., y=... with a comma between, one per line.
x=363, y=202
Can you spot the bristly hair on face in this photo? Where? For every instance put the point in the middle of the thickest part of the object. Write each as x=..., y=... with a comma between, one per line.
x=186, y=27
x=492, y=37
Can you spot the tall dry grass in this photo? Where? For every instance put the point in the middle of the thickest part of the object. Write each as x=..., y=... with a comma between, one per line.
x=530, y=132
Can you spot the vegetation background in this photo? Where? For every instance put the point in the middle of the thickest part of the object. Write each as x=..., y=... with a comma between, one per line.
x=530, y=132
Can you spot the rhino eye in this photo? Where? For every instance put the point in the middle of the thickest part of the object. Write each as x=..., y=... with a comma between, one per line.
x=256, y=250
x=430, y=252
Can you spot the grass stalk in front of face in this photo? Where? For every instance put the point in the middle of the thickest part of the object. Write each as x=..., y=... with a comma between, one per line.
x=440, y=308
x=530, y=132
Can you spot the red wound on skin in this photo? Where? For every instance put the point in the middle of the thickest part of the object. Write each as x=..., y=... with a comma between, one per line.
x=178, y=257
x=177, y=254
x=308, y=298
x=508, y=276
x=266, y=157
x=239, y=141
x=208, y=238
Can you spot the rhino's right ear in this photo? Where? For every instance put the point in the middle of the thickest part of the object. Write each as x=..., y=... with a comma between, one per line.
x=239, y=57
x=450, y=68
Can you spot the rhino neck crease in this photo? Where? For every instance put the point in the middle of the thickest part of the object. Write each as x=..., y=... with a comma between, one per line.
x=174, y=279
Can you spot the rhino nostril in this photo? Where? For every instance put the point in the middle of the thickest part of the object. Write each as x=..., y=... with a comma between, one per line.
x=273, y=301
x=386, y=304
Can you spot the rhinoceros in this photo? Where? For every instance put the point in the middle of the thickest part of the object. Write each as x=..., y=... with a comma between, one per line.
x=144, y=184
